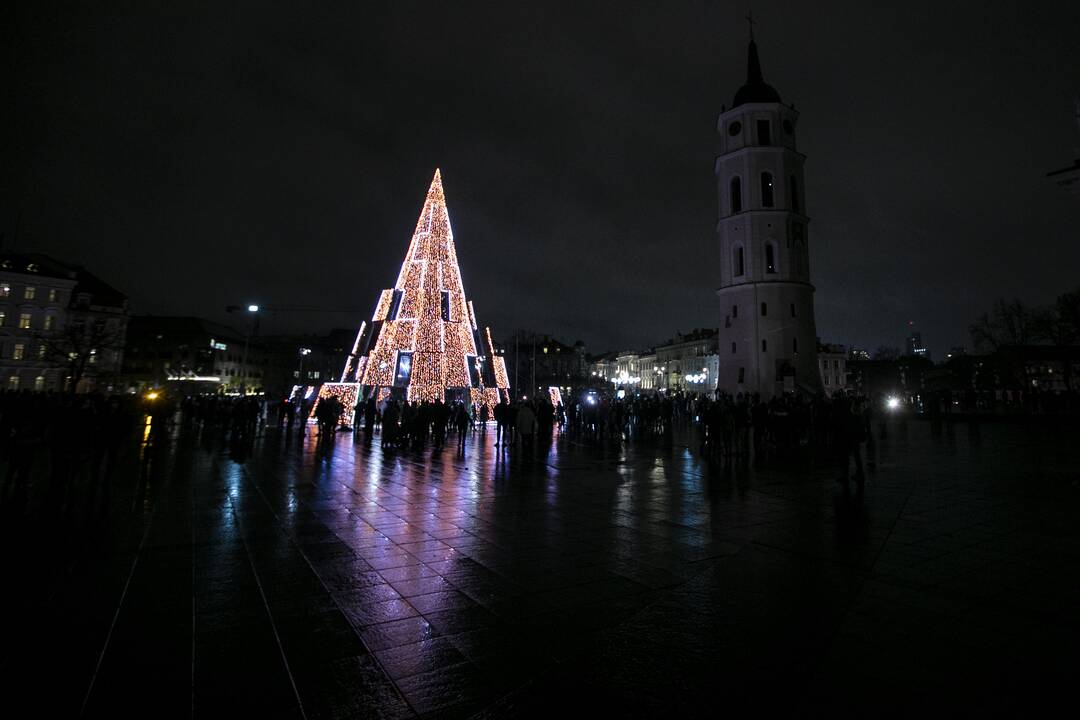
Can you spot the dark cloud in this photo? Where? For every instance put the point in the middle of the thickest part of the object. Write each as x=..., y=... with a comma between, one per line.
x=200, y=156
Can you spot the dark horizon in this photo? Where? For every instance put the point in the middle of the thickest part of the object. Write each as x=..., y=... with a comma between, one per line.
x=197, y=160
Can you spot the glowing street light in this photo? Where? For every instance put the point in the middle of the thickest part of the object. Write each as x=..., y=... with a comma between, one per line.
x=253, y=308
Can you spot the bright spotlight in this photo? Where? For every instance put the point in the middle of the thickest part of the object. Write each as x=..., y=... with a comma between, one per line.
x=253, y=308
x=893, y=402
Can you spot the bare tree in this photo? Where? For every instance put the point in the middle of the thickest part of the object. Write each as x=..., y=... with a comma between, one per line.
x=1067, y=308
x=1059, y=325
x=1008, y=323
x=79, y=347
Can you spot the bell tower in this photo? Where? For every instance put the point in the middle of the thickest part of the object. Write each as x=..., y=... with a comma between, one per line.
x=768, y=338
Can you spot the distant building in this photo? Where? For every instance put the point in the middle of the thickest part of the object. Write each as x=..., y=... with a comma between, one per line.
x=914, y=346
x=602, y=368
x=650, y=372
x=61, y=327
x=703, y=381
x=190, y=353
x=832, y=361
x=290, y=360
x=768, y=339
x=550, y=362
x=627, y=371
x=685, y=355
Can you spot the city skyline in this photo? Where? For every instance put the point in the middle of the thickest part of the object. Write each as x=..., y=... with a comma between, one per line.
x=581, y=144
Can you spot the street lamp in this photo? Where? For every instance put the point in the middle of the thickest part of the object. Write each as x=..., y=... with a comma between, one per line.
x=300, y=373
x=252, y=310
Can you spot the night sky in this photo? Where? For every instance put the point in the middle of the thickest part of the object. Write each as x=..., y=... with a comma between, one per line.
x=198, y=156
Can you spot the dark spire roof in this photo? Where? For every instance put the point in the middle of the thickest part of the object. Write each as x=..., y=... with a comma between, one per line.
x=756, y=90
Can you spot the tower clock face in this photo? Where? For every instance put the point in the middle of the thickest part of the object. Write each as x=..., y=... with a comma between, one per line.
x=734, y=128
x=788, y=127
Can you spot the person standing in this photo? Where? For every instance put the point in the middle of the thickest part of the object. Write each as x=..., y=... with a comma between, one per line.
x=852, y=434
x=501, y=423
x=462, y=421
x=526, y=424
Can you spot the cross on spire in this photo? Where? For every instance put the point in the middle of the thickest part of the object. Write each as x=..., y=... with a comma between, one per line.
x=750, y=21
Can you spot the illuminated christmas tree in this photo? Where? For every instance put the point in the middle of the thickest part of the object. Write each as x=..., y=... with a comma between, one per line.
x=423, y=341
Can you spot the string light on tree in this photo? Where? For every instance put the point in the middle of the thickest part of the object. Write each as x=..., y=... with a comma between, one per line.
x=423, y=340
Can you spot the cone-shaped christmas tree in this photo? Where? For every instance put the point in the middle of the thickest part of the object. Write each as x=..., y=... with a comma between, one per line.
x=423, y=341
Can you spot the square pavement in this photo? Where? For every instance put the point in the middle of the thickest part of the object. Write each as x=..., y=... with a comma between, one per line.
x=339, y=580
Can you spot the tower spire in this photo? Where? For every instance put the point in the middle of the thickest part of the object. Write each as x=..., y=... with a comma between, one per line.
x=755, y=89
x=753, y=63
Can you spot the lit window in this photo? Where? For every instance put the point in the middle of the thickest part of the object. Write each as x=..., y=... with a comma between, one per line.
x=5, y=290
x=770, y=258
x=766, y=189
x=41, y=352
x=39, y=383
x=54, y=295
x=30, y=293
x=3, y=316
x=24, y=321
x=50, y=322
x=315, y=374
x=13, y=382
x=20, y=351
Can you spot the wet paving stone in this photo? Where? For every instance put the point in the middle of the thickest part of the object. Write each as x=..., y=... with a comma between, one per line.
x=316, y=580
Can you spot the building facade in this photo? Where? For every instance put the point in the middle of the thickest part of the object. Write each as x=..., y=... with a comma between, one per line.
x=768, y=338
x=61, y=327
x=832, y=361
x=686, y=356
x=190, y=353
x=541, y=360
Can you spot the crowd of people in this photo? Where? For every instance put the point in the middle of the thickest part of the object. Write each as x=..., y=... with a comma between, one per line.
x=69, y=441
x=78, y=436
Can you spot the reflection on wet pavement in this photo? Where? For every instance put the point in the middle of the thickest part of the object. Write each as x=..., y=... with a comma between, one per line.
x=340, y=580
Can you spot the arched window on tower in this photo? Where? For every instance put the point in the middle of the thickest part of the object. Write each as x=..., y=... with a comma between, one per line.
x=795, y=194
x=770, y=258
x=740, y=264
x=766, y=189
x=736, y=194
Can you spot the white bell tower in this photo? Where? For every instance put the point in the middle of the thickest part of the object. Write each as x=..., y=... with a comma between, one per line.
x=768, y=338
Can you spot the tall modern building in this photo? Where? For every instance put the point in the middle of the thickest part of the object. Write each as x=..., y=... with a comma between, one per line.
x=423, y=341
x=768, y=339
